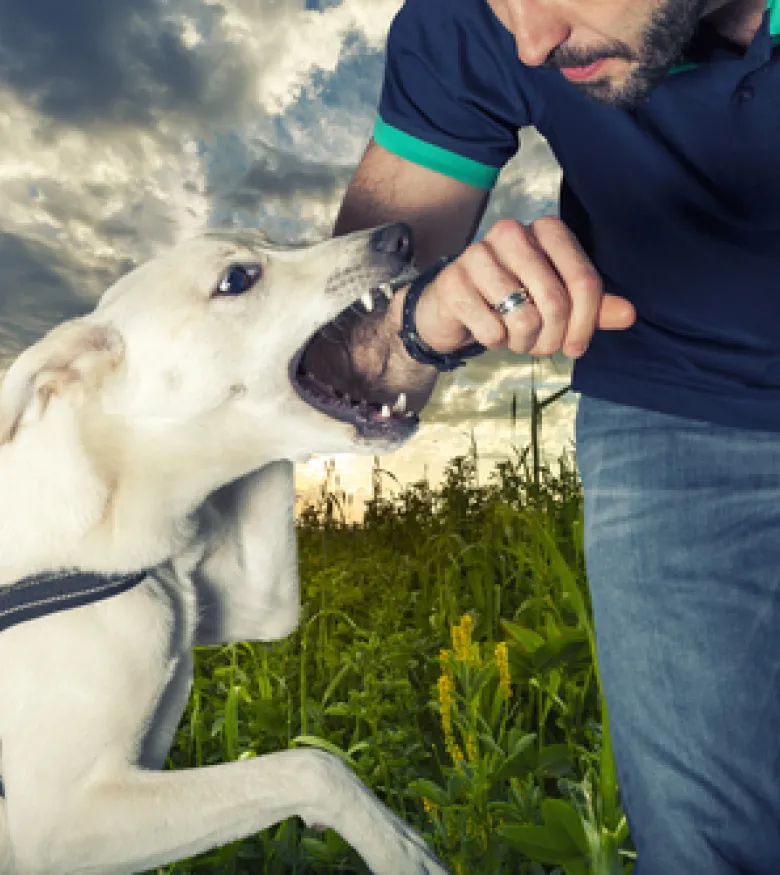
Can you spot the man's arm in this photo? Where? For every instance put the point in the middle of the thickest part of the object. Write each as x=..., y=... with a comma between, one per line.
x=443, y=213
x=566, y=301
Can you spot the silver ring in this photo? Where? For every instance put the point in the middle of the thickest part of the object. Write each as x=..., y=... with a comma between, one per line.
x=513, y=301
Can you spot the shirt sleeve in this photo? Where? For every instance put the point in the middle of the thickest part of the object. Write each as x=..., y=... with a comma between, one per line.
x=450, y=98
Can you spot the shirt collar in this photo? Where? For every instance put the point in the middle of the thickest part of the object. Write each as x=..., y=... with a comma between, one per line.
x=769, y=30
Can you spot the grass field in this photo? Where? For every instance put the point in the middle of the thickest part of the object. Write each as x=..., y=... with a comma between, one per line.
x=446, y=652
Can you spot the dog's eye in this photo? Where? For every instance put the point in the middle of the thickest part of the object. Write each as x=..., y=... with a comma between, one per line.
x=238, y=278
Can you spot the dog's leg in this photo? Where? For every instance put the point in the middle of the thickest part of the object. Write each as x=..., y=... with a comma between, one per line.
x=142, y=820
x=77, y=800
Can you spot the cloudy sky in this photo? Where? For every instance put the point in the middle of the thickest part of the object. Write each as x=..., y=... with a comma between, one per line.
x=128, y=126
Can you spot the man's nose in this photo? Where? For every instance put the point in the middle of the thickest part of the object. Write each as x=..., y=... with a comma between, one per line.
x=538, y=27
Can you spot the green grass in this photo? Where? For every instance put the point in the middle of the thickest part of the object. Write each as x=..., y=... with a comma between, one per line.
x=502, y=760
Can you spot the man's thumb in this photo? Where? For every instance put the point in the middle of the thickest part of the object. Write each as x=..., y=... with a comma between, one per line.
x=616, y=313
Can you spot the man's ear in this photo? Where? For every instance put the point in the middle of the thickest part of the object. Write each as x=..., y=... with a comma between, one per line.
x=76, y=354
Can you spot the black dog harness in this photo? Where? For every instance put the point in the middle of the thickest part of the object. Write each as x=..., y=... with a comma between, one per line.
x=48, y=593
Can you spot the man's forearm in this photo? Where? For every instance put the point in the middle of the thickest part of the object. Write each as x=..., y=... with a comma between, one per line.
x=443, y=213
x=433, y=235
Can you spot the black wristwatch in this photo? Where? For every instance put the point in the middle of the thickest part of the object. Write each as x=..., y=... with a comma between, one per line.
x=413, y=344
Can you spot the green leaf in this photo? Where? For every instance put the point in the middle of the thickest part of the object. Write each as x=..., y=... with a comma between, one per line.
x=527, y=638
x=490, y=745
x=521, y=763
x=520, y=741
x=561, y=841
x=423, y=787
x=334, y=683
x=608, y=784
x=555, y=760
x=360, y=745
x=537, y=843
x=572, y=647
x=316, y=849
x=565, y=823
x=322, y=744
x=339, y=709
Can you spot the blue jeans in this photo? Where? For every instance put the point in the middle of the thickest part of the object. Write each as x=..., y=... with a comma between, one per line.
x=682, y=541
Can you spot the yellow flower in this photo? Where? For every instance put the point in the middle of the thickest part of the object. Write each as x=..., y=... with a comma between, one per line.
x=461, y=638
x=455, y=751
x=430, y=807
x=446, y=699
x=502, y=660
x=472, y=751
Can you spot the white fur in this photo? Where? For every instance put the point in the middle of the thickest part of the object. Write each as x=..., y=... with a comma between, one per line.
x=159, y=432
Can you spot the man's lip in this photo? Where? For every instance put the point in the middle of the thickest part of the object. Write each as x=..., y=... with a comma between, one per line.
x=577, y=74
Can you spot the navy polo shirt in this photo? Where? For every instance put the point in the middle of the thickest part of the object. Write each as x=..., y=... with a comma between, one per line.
x=677, y=202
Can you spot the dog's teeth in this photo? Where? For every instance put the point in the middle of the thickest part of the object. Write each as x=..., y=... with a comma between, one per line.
x=368, y=301
x=385, y=414
x=387, y=290
x=400, y=404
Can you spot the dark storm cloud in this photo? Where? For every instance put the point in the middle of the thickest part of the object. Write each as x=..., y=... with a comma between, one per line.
x=284, y=175
x=36, y=292
x=85, y=61
x=279, y=174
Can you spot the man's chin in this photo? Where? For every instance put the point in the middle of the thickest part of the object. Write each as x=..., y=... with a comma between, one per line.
x=625, y=92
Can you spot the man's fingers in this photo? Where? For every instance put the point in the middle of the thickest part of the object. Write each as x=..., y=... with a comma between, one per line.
x=616, y=313
x=490, y=283
x=582, y=282
x=566, y=305
x=453, y=312
x=519, y=251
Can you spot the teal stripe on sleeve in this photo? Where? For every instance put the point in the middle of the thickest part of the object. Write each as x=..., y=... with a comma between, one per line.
x=774, y=19
x=434, y=157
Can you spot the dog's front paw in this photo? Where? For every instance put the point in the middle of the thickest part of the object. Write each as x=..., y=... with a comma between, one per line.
x=388, y=845
x=415, y=857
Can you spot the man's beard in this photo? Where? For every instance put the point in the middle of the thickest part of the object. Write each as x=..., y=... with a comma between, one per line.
x=670, y=30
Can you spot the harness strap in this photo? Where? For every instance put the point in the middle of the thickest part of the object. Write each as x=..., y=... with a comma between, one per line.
x=42, y=594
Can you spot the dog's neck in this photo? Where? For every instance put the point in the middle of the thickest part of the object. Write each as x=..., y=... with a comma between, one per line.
x=65, y=506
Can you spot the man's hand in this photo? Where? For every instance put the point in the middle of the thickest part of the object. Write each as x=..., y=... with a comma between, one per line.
x=567, y=301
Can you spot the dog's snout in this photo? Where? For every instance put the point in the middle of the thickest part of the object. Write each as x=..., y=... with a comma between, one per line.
x=395, y=239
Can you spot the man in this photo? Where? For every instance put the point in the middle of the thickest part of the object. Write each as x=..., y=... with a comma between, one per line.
x=665, y=117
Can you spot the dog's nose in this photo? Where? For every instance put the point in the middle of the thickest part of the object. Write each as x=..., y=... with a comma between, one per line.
x=395, y=239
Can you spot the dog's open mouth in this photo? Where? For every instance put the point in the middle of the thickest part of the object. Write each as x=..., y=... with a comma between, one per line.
x=324, y=374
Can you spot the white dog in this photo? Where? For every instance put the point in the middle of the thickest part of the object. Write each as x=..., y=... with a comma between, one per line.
x=146, y=457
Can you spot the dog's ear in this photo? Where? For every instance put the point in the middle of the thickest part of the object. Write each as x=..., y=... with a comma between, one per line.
x=75, y=354
x=248, y=587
